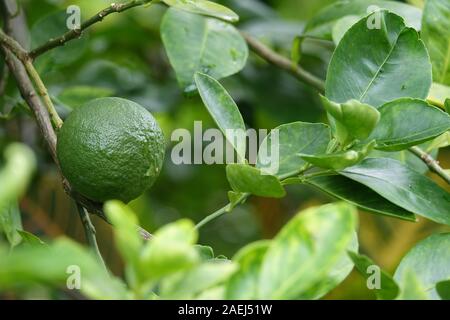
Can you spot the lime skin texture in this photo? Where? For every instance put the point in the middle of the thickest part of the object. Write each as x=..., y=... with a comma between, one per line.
x=110, y=148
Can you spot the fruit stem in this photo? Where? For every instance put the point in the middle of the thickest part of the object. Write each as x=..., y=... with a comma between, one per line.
x=90, y=232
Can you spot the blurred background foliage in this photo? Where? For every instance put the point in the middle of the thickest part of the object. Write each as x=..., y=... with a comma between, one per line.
x=123, y=56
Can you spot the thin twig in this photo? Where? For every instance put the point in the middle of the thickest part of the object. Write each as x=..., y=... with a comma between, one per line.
x=76, y=33
x=3, y=79
x=432, y=163
x=283, y=63
x=90, y=232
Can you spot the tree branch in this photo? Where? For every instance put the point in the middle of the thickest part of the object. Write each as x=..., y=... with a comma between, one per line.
x=283, y=63
x=431, y=163
x=76, y=33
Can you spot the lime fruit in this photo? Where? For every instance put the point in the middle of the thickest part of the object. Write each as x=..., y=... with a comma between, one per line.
x=110, y=148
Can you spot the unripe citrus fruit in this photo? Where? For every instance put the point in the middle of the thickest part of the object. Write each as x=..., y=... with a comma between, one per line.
x=110, y=148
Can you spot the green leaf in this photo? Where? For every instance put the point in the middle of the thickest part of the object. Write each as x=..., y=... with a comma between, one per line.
x=291, y=139
x=186, y=285
x=224, y=111
x=341, y=27
x=170, y=251
x=244, y=283
x=340, y=270
x=29, y=238
x=78, y=95
x=348, y=190
x=51, y=26
x=340, y=160
x=247, y=179
x=203, y=7
x=374, y=65
x=352, y=119
x=306, y=250
x=56, y=264
x=388, y=287
x=15, y=175
x=436, y=35
x=11, y=223
x=429, y=261
x=198, y=44
x=411, y=287
x=408, y=122
x=443, y=289
x=323, y=23
x=438, y=94
x=403, y=187
x=126, y=237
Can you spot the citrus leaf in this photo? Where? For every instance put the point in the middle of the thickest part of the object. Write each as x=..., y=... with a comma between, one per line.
x=243, y=284
x=293, y=138
x=305, y=250
x=411, y=287
x=224, y=111
x=436, y=35
x=171, y=250
x=199, y=44
x=378, y=70
x=346, y=189
x=247, y=179
x=352, y=119
x=428, y=260
x=55, y=264
x=186, y=285
x=322, y=24
x=389, y=288
x=408, y=122
x=341, y=27
x=403, y=186
x=204, y=7
x=29, y=238
x=443, y=289
x=339, y=160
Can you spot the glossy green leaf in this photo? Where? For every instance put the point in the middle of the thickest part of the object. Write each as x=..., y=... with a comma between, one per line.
x=126, y=237
x=56, y=264
x=339, y=160
x=411, y=287
x=352, y=119
x=346, y=189
x=438, y=94
x=52, y=26
x=224, y=111
x=306, y=250
x=170, y=251
x=291, y=139
x=186, y=285
x=29, y=238
x=429, y=261
x=204, y=7
x=11, y=223
x=341, y=27
x=15, y=175
x=373, y=65
x=408, y=122
x=388, y=287
x=403, y=186
x=199, y=44
x=443, y=289
x=340, y=270
x=322, y=24
x=436, y=35
x=244, y=283
x=247, y=179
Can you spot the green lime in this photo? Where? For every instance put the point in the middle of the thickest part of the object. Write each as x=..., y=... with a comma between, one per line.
x=110, y=148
